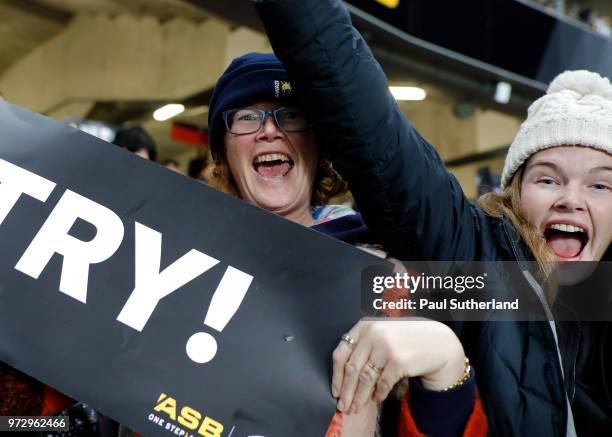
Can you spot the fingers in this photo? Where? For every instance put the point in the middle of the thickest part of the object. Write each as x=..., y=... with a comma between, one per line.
x=371, y=367
x=368, y=379
x=340, y=357
x=388, y=377
x=352, y=370
x=386, y=352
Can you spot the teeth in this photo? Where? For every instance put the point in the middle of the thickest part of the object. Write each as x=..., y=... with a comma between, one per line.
x=271, y=157
x=566, y=228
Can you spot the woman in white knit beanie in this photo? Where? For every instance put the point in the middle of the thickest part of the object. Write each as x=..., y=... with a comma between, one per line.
x=557, y=192
x=557, y=177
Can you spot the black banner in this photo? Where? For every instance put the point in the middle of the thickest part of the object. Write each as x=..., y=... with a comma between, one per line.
x=162, y=303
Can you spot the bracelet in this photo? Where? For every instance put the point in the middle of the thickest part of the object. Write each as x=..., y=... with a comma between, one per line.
x=467, y=372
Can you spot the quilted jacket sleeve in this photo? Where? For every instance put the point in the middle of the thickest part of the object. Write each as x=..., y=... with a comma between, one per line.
x=408, y=198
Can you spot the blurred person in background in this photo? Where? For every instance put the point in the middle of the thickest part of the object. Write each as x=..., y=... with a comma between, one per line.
x=549, y=4
x=201, y=169
x=601, y=25
x=136, y=140
x=172, y=164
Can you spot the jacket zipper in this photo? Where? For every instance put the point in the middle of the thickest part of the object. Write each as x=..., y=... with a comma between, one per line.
x=546, y=310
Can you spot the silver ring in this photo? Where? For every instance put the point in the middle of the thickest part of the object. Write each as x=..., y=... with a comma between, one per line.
x=350, y=341
x=374, y=367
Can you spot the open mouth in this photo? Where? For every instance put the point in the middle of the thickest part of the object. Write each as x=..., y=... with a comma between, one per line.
x=273, y=165
x=565, y=240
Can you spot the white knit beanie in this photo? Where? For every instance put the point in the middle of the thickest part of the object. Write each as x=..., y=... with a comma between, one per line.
x=576, y=111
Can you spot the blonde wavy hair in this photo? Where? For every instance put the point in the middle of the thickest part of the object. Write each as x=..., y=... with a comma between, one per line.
x=508, y=204
x=327, y=183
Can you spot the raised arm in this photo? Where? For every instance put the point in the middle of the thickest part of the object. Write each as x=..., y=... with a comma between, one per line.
x=409, y=200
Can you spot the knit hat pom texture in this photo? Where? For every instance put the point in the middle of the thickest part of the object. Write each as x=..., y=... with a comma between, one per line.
x=576, y=111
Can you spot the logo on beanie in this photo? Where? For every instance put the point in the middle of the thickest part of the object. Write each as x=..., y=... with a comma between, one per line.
x=282, y=88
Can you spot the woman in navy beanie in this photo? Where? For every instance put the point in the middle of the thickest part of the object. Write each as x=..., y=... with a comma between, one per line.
x=267, y=154
x=285, y=162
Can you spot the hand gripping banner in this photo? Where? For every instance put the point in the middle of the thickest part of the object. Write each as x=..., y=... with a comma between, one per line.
x=162, y=303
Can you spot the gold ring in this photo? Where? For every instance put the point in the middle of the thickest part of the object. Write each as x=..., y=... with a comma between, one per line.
x=374, y=367
x=349, y=340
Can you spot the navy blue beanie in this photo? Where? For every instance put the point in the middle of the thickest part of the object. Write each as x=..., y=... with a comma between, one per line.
x=249, y=78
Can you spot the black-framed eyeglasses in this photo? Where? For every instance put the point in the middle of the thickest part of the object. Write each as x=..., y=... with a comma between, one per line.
x=249, y=120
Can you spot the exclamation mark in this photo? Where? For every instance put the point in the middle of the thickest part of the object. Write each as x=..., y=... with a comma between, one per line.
x=201, y=346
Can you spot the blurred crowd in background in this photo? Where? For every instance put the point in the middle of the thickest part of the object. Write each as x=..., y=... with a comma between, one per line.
x=135, y=139
x=583, y=12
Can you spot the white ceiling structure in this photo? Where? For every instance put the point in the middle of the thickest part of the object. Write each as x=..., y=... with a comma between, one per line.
x=119, y=60
x=26, y=24
x=115, y=60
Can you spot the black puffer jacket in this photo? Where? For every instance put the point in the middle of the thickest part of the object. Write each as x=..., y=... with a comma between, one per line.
x=418, y=210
